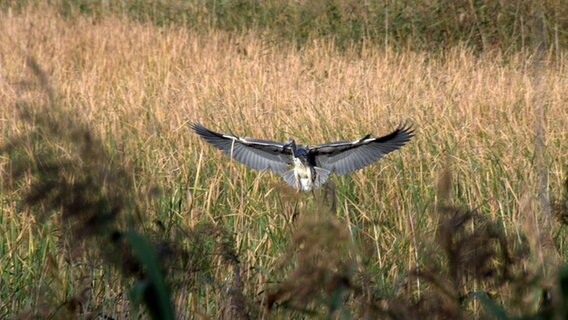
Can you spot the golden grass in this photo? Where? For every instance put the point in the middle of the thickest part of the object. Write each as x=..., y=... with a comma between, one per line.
x=139, y=86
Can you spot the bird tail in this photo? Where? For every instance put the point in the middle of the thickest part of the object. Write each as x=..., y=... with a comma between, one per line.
x=290, y=178
x=321, y=177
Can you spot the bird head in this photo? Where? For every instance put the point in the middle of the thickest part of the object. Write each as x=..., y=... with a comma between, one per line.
x=299, y=153
x=291, y=143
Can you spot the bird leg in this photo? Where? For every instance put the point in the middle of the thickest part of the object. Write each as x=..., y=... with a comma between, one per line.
x=298, y=183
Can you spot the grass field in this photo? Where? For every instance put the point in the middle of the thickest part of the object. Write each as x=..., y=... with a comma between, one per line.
x=462, y=212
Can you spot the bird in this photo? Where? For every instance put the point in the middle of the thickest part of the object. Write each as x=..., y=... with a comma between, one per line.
x=305, y=167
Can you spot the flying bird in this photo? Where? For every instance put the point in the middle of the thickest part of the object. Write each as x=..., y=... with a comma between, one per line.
x=306, y=167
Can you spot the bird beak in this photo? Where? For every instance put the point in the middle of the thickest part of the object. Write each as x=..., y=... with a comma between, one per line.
x=290, y=144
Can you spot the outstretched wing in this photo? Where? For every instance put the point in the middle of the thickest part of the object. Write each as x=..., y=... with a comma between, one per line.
x=255, y=153
x=347, y=156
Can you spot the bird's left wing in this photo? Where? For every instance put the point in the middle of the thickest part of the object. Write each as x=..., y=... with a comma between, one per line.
x=347, y=156
x=255, y=153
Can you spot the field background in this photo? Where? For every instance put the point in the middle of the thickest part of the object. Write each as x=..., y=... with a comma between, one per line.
x=95, y=104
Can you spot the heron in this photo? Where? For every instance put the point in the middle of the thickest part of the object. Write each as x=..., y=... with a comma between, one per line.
x=305, y=167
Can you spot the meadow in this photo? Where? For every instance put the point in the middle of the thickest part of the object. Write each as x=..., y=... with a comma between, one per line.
x=109, y=202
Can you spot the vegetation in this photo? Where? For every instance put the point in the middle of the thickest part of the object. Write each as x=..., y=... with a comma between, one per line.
x=508, y=26
x=110, y=203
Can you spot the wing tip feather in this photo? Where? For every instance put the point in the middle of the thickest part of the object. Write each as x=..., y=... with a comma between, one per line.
x=406, y=127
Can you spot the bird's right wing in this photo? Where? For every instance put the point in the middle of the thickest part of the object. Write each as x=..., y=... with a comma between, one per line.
x=255, y=153
x=347, y=156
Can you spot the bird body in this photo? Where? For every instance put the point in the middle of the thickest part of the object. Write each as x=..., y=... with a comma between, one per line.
x=304, y=175
x=310, y=166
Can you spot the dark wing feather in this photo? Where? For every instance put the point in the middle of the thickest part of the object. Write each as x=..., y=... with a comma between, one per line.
x=255, y=153
x=347, y=156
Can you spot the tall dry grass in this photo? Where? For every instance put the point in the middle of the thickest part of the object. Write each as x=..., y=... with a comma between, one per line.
x=138, y=87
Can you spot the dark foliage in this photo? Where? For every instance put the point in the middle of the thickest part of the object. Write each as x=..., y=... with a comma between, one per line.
x=66, y=176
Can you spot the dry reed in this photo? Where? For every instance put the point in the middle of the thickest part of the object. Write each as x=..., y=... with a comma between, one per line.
x=137, y=86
